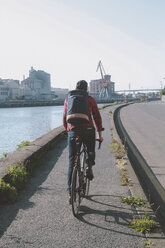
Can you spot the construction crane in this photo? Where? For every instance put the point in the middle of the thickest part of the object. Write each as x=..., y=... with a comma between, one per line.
x=104, y=93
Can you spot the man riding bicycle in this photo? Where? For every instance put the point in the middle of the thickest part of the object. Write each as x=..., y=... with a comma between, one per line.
x=85, y=130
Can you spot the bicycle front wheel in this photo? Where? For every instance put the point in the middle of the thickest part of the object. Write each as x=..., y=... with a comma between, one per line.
x=75, y=192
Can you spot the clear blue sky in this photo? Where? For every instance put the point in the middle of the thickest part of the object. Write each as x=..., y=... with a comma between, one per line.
x=67, y=38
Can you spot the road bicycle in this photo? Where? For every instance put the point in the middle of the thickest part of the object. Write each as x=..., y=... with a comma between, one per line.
x=80, y=182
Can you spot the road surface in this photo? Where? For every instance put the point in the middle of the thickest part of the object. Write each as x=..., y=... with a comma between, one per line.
x=41, y=217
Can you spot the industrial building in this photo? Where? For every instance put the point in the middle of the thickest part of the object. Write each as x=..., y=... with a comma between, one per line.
x=35, y=87
x=39, y=84
x=102, y=88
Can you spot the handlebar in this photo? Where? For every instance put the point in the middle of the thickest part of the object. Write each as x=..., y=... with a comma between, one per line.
x=99, y=143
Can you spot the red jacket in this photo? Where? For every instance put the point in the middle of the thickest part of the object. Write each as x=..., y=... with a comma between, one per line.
x=93, y=111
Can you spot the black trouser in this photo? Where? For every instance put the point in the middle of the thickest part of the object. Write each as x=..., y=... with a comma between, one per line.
x=87, y=135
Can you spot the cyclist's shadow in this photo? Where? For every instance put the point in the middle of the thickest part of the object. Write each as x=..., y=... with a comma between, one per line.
x=119, y=216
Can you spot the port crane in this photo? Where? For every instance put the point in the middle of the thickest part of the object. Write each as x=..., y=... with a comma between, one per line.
x=104, y=93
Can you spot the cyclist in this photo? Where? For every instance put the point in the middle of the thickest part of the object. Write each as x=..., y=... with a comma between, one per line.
x=84, y=130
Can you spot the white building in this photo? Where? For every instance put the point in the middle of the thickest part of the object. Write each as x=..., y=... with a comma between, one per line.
x=14, y=88
x=4, y=91
x=37, y=86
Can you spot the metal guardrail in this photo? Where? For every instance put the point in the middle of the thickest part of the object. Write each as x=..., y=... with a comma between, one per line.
x=150, y=184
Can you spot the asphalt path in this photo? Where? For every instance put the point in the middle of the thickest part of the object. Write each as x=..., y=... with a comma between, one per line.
x=145, y=124
x=42, y=217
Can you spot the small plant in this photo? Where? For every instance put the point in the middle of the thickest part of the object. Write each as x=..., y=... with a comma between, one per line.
x=114, y=140
x=143, y=225
x=124, y=179
x=23, y=143
x=133, y=201
x=148, y=244
x=18, y=176
x=4, y=155
x=118, y=149
x=8, y=193
x=110, y=112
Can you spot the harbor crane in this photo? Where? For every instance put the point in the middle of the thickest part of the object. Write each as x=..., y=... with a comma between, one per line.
x=104, y=93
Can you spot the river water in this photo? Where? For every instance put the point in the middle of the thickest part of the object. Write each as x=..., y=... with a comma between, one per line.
x=26, y=124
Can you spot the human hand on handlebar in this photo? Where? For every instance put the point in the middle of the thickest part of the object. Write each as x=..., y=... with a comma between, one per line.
x=100, y=136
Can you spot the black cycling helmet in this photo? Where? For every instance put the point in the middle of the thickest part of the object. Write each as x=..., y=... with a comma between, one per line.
x=82, y=85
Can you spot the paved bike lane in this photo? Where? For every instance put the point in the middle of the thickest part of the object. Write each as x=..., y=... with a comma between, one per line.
x=42, y=217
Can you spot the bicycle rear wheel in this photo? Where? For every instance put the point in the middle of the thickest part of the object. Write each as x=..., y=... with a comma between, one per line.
x=75, y=191
x=86, y=181
x=87, y=186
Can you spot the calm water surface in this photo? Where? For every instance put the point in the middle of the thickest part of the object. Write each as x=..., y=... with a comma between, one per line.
x=21, y=124
x=26, y=124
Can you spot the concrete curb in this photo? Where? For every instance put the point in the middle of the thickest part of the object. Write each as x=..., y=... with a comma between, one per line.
x=33, y=153
x=151, y=186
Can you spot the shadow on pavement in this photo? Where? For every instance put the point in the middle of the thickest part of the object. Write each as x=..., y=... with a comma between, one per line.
x=116, y=216
x=9, y=212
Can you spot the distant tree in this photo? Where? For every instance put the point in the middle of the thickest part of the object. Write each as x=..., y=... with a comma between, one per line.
x=162, y=92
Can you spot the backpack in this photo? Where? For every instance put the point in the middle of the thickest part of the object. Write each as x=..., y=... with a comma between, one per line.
x=77, y=108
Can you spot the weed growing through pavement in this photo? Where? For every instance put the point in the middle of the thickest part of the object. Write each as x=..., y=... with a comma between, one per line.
x=148, y=244
x=118, y=149
x=110, y=113
x=124, y=178
x=143, y=225
x=120, y=154
x=133, y=201
x=23, y=143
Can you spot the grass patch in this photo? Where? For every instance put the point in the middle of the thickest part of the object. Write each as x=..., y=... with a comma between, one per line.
x=17, y=176
x=143, y=225
x=4, y=155
x=133, y=201
x=8, y=193
x=23, y=143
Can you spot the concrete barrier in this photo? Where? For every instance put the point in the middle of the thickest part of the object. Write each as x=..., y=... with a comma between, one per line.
x=33, y=153
x=151, y=186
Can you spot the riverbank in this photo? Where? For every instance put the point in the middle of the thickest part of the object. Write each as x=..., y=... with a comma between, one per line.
x=30, y=103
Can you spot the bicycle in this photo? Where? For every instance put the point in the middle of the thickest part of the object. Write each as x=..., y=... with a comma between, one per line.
x=80, y=182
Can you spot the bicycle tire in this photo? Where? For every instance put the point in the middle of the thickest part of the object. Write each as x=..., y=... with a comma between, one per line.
x=86, y=180
x=75, y=191
x=87, y=187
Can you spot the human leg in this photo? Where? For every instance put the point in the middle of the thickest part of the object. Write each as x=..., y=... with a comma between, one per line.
x=89, y=140
x=72, y=153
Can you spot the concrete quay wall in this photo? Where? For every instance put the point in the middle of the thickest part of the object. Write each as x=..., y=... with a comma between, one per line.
x=33, y=153
x=14, y=104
